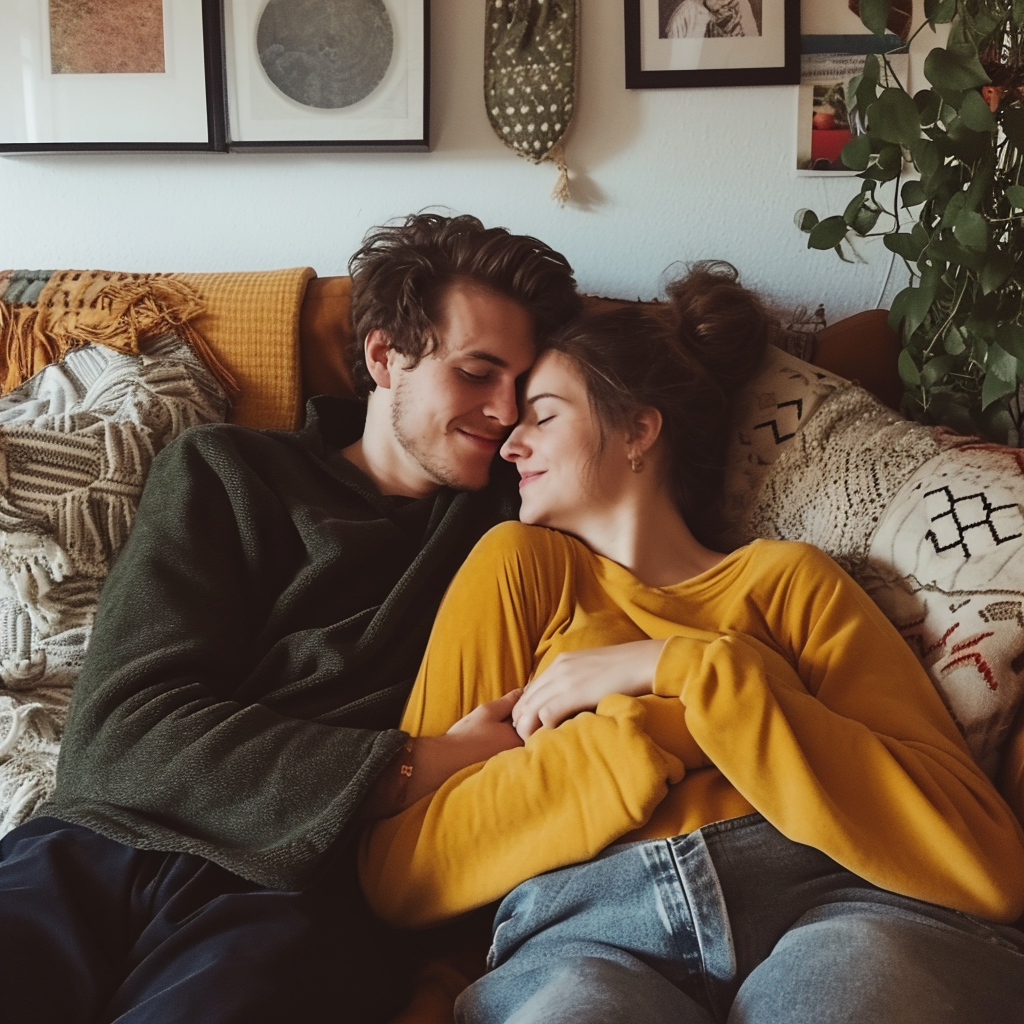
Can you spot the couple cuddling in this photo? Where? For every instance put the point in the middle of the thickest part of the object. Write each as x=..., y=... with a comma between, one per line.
x=728, y=793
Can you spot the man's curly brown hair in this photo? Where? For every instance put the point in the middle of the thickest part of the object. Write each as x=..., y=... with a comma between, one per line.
x=401, y=272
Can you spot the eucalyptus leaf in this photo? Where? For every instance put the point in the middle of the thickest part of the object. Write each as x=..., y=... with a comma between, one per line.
x=971, y=230
x=904, y=244
x=912, y=194
x=875, y=14
x=856, y=154
x=893, y=117
x=953, y=342
x=805, y=220
x=935, y=369
x=827, y=234
x=1015, y=193
x=995, y=388
x=911, y=305
x=928, y=103
x=975, y=114
x=954, y=69
x=867, y=88
x=954, y=208
x=998, y=267
x=939, y=12
x=1002, y=364
x=948, y=250
x=909, y=373
x=862, y=213
x=926, y=155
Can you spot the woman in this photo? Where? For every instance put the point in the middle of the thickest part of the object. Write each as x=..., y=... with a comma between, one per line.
x=740, y=797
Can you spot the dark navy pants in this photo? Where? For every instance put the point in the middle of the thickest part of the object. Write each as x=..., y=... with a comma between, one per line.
x=92, y=932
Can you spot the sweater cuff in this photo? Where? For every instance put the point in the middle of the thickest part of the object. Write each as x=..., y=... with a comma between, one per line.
x=681, y=658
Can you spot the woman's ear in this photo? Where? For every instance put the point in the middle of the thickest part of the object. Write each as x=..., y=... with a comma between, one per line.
x=377, y=349
x=645, y=429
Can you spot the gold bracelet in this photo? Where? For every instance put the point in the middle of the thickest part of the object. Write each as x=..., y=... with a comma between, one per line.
x=405, y=769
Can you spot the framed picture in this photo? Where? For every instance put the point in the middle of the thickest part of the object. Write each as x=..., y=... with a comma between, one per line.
x=327, y=74
x=677, y=43
x=110, y=75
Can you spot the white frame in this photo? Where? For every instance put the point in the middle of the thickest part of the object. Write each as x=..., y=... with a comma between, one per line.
x=393, y=117
x=46, y=112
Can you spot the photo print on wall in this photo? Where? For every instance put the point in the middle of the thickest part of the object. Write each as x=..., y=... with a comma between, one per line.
x=107, y=37
x=688, y=43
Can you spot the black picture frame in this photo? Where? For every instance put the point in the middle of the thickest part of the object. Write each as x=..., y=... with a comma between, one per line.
x=393, y=117
x=152, y=101
x=651, y=65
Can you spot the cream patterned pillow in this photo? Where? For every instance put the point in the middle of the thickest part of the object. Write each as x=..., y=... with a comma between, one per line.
x=931, y=524
x=946, y=565
x=771, y=410
x=76, y=443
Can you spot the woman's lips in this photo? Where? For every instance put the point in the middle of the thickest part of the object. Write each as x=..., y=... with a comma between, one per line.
x=525, y=478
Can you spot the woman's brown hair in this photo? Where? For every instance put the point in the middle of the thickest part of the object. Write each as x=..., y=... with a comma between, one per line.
x=687, y=357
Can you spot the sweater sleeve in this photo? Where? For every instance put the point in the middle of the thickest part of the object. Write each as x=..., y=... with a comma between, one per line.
x=560, y=799
x=850, y=751
x=169, y=743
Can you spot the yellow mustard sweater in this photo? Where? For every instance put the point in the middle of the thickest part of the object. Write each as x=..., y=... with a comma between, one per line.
x=781, y=688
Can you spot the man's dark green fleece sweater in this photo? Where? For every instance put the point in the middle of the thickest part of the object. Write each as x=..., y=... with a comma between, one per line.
x=254, y=645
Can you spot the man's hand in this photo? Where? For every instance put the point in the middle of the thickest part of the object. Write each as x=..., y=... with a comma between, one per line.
x=576, y=681
x=432, y=760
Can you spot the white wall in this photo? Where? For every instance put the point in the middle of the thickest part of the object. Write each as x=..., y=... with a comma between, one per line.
x=660, y=175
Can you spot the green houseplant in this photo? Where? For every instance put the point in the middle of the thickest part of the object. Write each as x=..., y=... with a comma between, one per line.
x=958, y=223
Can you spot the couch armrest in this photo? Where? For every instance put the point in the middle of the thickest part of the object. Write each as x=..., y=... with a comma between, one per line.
x=325, y=334
x=865, y=349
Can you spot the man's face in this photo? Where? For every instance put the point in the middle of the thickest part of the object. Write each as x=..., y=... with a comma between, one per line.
x=451, y=412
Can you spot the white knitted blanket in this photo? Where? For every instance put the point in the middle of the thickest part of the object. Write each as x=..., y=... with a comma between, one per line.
x=840, y=472
x=76, y=443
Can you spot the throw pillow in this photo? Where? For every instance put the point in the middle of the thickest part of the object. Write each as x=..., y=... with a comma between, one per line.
x=76, y=443
x=929, y=522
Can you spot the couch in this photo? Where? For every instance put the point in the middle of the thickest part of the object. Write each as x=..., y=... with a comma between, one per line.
x=104, y=368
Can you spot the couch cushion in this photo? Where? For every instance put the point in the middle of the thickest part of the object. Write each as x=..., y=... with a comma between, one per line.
x=76, y=443
x=930, y=523
x=251, y=321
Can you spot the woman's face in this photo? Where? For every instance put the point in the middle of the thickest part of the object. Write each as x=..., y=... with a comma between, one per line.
x=566, y=475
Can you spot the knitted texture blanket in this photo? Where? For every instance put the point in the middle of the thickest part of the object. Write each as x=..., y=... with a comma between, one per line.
x=76, y=443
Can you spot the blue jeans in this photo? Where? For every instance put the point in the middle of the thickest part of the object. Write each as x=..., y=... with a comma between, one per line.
x=735, y=923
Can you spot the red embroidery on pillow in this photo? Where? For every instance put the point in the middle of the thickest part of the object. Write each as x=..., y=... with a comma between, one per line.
x=979, y=663
x=971, y=641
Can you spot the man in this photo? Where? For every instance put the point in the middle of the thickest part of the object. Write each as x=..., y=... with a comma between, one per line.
x=254, y=645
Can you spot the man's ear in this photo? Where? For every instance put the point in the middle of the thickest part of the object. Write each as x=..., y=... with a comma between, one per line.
x=377, y=350
x=645, y=429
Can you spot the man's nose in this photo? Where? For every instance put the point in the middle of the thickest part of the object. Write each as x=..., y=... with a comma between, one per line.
x=502, y=405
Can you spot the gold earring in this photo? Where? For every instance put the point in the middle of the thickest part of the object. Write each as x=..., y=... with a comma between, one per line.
x=636, y=463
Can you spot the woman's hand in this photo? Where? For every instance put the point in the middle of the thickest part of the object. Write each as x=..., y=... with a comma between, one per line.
x=577, y=680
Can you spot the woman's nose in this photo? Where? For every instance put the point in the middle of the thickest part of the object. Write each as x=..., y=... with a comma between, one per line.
x=513, y=448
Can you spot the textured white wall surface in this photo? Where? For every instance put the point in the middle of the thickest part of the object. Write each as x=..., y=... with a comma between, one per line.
x=659, y=175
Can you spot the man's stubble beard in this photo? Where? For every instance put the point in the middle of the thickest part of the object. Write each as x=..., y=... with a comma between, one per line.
x=433, y=466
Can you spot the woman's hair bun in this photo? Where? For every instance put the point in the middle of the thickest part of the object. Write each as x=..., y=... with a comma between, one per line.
x=724, y=326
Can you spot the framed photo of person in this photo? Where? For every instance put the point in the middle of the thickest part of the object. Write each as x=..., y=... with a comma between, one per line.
x=110, y=75
x=327, y=74
x=686, y=43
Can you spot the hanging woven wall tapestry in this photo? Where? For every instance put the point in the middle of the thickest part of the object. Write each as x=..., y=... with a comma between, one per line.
x=530, y=78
